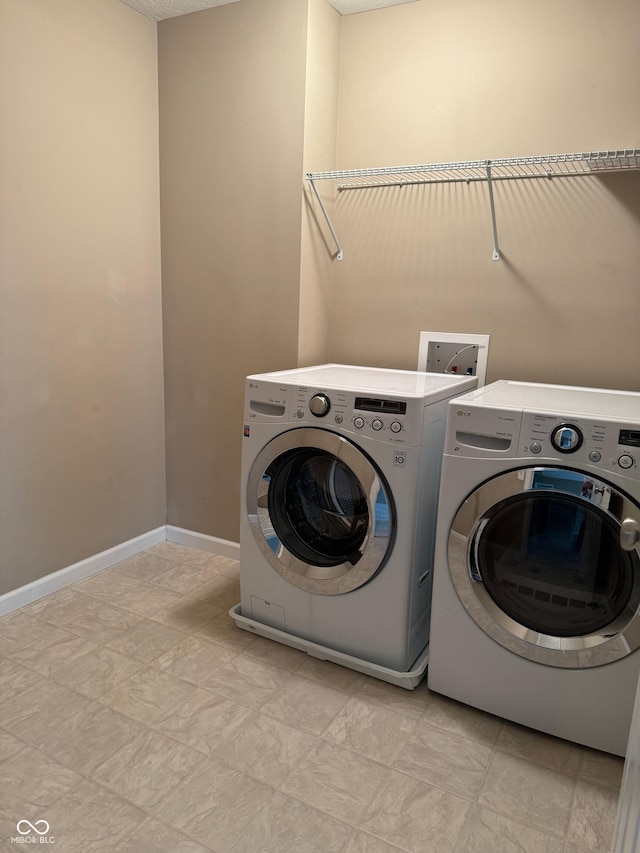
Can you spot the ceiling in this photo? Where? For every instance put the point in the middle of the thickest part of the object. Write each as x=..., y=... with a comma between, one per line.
x=158, y=10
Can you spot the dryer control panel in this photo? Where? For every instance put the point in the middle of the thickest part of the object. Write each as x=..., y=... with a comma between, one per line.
x=577, y=440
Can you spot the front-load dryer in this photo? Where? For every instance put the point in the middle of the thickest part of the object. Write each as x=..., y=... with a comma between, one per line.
x=340, y=476
x=537, y=565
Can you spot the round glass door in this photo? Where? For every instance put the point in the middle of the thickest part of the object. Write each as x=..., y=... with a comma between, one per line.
x=319, y=511
x=541, y=567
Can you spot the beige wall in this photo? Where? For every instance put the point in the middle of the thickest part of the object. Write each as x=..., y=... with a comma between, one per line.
x=81, y=398
x=232, y=85
x=320, y=130
x=440, y=81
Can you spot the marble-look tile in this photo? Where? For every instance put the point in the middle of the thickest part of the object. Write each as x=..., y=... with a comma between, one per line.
x=337, y=781
x=91, y=819
x=248, y=681
x=370, y=729
x=145, y=599
x=362, y=842
x=57, y=607
x=144, y=566
x=203, y=720
x=284, y=824
x=94, y=672
x=153, y=836
x=14, y=678
x=485, y=831
x=52, y=651
x=30, y=782
x=215, y=806
x=460, y=719
x=305, y=704
x=593, y=818
x=81, y=614
x=106, y=585
x=219, y=590
x=19, y=630
x=265, y=749
x=528, y=793
x=10, y=745
x=147, y=641
x=446, y=760
x=146, y=696
x=176, y=553
x=147, y=769
x=332, y=675
x=71, y=728
x=222, y=629
x=278, y=654
x=413, y=703
x=187, y=578
x=602, y=769
x=415, y=816
x=551, y=752
x=194, y=659
x=187, y=615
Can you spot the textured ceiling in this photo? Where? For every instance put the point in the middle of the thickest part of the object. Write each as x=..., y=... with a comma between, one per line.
x=158, y=10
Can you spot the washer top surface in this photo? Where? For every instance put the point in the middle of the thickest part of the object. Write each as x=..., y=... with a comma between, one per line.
x=563, y=399
x=405, y=383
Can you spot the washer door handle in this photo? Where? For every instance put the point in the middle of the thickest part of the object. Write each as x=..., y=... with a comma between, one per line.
x=629, y=534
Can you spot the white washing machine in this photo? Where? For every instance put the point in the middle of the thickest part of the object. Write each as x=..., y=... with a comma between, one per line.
x=537, y=563
x=340, y=476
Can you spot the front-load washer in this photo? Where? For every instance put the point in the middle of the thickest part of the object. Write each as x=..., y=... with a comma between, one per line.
x=340, y=476
x=537, y=565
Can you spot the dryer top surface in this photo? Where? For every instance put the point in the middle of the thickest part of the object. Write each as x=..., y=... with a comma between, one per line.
x=403, y=383
x=561, y=399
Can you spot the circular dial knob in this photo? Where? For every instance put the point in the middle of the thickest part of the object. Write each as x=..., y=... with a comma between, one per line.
x=566, y=438
x=319, y=405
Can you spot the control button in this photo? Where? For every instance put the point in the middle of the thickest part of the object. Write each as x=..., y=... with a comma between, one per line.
x=358, y=422
x=595, y=456
x=376, y=424
x=535, y=447
x=300, y=413
x=339, y=419
x=566, y=438
x=626, y=461
x=396, y=426
x=319, y=405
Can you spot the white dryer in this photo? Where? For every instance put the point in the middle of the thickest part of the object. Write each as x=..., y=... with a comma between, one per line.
x=340, y=476
x=537, y=565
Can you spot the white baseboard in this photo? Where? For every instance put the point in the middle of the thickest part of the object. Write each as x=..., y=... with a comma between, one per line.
x=41, y=587
x=222, y=547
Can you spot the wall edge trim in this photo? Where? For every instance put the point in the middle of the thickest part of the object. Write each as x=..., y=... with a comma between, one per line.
x=37, y=589
x=213, y=544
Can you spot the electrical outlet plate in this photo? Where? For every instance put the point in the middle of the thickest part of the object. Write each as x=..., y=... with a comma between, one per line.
x=440, y=352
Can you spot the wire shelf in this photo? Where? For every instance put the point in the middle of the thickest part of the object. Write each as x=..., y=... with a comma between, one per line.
x=549, y=166
x=506, y=168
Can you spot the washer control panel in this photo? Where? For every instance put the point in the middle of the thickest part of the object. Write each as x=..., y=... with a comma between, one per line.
x=384, y=418
x=576, y=440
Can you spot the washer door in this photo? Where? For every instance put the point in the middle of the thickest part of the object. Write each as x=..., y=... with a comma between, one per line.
x=320, y=511
x=546, y=561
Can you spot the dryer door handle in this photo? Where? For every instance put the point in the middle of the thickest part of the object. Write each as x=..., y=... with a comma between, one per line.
x=629, y=534
x=474, y=556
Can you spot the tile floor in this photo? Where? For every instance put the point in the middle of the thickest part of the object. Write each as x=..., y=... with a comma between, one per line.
x=135, y=716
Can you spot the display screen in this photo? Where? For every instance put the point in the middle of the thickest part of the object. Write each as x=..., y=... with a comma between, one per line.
x=629, y=437
x=372, y=404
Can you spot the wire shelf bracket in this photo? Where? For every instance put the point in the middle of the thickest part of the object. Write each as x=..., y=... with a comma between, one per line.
x=547, y=166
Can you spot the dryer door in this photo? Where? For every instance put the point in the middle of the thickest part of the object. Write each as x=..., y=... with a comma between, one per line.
x=320, y=511
x=547, y=562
